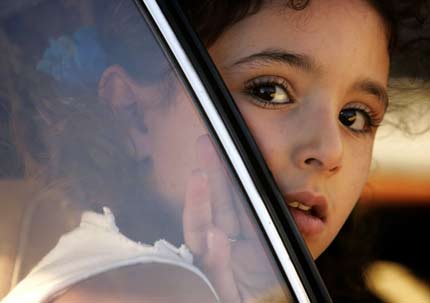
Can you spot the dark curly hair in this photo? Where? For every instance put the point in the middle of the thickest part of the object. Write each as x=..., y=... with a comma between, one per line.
x=212, y=17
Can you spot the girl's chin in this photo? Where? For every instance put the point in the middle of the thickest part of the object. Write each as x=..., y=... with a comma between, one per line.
x=315, y=246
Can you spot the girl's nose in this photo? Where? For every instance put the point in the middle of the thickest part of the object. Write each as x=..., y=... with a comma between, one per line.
x=320, y=146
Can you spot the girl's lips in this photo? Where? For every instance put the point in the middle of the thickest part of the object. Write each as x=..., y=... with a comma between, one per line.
x=309, y=222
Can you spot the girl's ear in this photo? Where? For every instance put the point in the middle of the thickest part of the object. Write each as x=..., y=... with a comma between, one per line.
x=116, y=87
x=126, y=99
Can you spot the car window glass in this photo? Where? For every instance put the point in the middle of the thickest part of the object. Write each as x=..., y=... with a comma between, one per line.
x=112, y=186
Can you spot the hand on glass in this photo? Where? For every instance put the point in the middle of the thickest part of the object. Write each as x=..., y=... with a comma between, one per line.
x=220, y=234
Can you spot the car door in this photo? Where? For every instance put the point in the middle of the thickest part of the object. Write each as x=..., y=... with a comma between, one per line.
x=127, y=171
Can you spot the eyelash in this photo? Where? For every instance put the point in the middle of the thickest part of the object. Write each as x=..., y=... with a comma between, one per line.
x=268, y=81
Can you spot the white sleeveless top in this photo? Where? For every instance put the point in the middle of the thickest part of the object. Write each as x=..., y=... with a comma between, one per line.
x=96, y=246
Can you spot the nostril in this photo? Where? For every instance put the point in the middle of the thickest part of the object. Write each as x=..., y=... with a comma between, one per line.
x=317, y=163
x=310, y=161
x=334, y=169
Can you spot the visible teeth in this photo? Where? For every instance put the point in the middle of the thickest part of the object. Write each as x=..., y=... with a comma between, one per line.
x=304, y=207
x=294, y=204
x=299, y=205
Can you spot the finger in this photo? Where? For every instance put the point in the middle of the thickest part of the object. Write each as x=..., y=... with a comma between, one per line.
x=217, y=264
x=246, y=220
x=197, y=214
x=223, y=211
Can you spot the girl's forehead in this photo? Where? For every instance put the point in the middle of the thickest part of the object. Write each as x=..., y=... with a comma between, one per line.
x=315, y=19
x=323, y=30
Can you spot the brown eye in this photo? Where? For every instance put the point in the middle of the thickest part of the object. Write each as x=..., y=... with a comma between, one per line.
x=354, y=118
x=269, y=92
x=273, y=93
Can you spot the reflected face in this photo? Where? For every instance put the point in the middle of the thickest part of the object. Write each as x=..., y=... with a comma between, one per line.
x=311, y=87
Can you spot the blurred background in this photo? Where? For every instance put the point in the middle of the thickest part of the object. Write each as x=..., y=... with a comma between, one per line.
x=397, y=202
x=397, y=198
x=389, y=233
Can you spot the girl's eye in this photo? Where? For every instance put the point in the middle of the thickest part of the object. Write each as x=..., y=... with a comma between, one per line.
x=356, y=119
x=268, y=91
x=271, y=92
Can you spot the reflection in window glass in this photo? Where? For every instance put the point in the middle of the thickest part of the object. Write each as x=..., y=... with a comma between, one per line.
x=112, y=187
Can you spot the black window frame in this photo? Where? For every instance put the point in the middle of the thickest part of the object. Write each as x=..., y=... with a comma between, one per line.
x=309, y=287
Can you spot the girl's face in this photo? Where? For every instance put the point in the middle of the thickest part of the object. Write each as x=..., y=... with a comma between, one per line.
x=311, y=85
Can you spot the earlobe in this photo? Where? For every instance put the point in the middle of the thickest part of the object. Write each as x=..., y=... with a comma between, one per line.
x=122, y=94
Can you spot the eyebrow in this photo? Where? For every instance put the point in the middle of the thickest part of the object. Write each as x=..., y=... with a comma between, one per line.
x=300, y=61
x=373, y=88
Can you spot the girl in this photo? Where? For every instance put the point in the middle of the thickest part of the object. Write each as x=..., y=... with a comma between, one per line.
x=310, y=80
